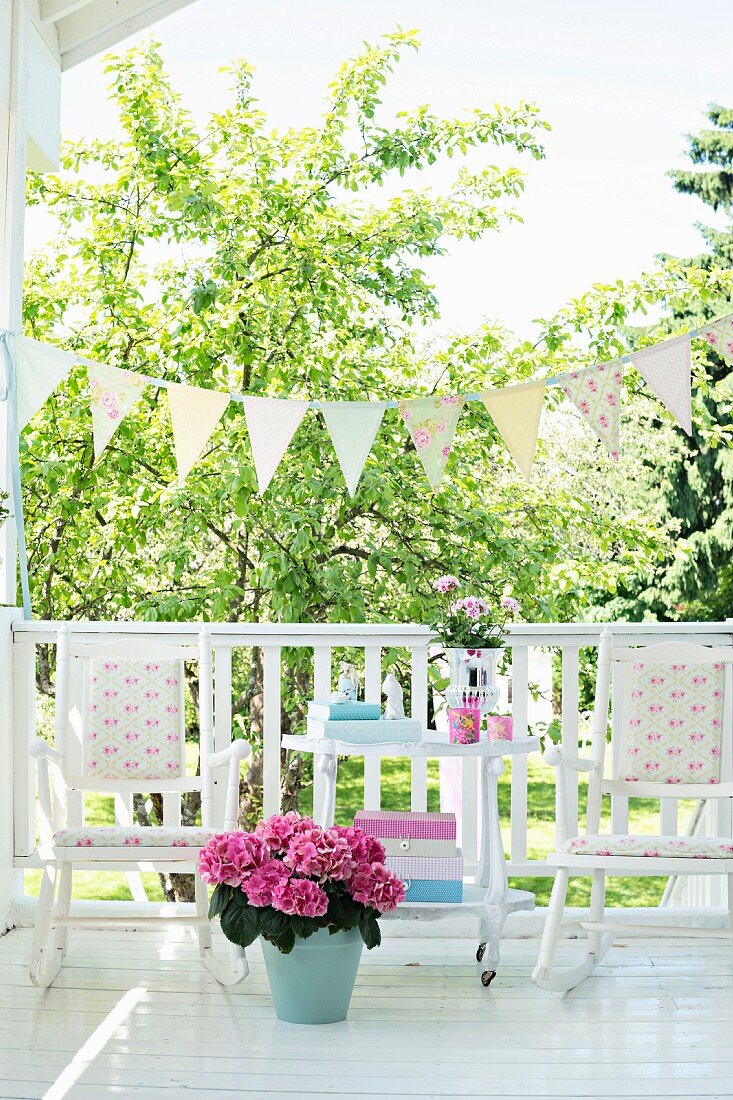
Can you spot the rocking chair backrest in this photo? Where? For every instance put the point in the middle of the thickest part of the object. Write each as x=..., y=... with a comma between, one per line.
x=120, y=722
x=675, y=723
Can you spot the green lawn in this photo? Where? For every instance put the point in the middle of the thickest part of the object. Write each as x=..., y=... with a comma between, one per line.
x=396, y=796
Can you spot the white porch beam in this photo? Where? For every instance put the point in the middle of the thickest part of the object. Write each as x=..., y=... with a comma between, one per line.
x=99, y=25
x=53, y=10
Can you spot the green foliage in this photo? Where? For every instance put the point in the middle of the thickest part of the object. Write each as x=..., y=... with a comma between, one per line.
x=244, y=258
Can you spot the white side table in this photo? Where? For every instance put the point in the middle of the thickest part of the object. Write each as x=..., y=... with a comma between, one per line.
x=489, y=896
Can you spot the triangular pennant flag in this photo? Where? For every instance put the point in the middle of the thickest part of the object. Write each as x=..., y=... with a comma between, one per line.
x=596, y=392
x=353, y=426
x=719, y=334
x=431, y=422
x=271, y=422
x=194, y=415
x=666, y=369
x=516, y=411
x=38, y=370
x=113, y=393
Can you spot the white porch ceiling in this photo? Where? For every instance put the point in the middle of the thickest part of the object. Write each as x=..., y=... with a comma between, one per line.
x=85, y=28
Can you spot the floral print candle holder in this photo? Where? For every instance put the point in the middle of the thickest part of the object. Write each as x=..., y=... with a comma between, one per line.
x=464, y=725
x=499, y=727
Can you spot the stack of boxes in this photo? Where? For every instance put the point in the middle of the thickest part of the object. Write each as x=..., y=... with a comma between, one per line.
x=360, y=724
x=421, y=849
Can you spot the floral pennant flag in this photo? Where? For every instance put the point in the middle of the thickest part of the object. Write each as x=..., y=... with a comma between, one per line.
x=516, y=411
x=38, y=370
x=719, y=335
x=114, y=392
x=353, y=426
x=271, y=422
x=596, y=392
x=666, y=368
x=194, y=415
x=431, y=422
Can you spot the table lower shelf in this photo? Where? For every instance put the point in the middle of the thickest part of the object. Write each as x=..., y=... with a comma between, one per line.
x=473, y=901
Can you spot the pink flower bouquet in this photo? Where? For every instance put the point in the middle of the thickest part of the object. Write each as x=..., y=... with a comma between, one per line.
x=471, y=621
x=290, y=877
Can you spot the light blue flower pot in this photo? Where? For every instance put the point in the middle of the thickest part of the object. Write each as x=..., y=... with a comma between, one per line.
x=314, y=983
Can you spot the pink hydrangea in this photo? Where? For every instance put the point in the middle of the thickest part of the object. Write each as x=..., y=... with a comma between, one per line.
x=377, y=887
x=277, y=831
x=264, y=880
x=364, y=848
x=322, y=853
x=300, y=897
x=445, y=584
x=230, y=858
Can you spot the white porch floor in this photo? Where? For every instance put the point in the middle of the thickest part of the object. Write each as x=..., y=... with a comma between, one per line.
x=133, y=1014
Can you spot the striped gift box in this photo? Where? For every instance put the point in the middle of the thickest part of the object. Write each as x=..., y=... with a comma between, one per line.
x=396, y=824
x=409, y=868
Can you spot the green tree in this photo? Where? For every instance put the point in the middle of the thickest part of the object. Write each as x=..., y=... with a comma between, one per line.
x=246, y=259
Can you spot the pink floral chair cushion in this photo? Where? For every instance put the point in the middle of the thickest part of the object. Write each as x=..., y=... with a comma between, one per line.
x=697, y=847
x=673, y=723
x=134, y=722
x=119, y=836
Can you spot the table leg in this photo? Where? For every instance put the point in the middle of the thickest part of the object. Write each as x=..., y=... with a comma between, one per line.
x=327, y=765
x=491, y=870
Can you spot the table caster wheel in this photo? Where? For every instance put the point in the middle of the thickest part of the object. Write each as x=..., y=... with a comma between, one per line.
x=480, y=952
x=487, y=978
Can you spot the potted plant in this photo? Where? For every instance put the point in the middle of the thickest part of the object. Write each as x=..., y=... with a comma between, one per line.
x=471, y=631
x=314, y=897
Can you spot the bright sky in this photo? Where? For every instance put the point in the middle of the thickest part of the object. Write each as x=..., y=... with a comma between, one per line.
x=621, y=82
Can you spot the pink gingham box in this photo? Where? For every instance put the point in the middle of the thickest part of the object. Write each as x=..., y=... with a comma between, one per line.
x=409, y=868
x=393, y=823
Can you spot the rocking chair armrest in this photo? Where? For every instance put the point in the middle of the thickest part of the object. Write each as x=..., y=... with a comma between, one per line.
x=40, y=749
x=557, y=757
x=238, y=750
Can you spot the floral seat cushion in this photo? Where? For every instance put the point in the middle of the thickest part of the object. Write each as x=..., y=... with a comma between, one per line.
x=119, y=836
x=696, y=847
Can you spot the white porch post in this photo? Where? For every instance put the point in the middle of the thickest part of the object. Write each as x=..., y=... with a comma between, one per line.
x=14, y=32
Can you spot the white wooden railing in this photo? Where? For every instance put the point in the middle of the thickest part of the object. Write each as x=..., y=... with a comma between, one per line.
x=524, y=642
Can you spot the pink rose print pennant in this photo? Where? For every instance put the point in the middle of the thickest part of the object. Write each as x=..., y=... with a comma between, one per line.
x=431, y=422
x=596, y=393
x=113, y=393
x=719, y=335
x=666, y=368
x=271, y=422
x=353, y=426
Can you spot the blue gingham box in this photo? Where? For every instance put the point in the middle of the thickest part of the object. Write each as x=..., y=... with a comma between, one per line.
x=430, y=878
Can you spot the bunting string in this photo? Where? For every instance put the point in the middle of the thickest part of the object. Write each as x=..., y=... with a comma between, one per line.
x=36, y=369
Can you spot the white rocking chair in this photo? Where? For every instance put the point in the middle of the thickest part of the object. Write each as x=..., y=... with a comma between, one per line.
x=675, y=743
x=128, y=738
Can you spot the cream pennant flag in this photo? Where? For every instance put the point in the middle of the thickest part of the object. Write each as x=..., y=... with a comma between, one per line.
x=113, y=394
x=38, y=370
x=271, y=422
x=596, y=392
x=719, y=335
x=516, y=411
x=666, y=369
x=353, y=427
x=195, y=414
x=431, y=422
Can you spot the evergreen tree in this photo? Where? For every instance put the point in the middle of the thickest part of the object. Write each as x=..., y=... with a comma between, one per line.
x=696, y=483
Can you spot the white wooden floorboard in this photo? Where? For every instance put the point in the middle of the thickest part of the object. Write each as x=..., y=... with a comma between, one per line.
x=656, y=1021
